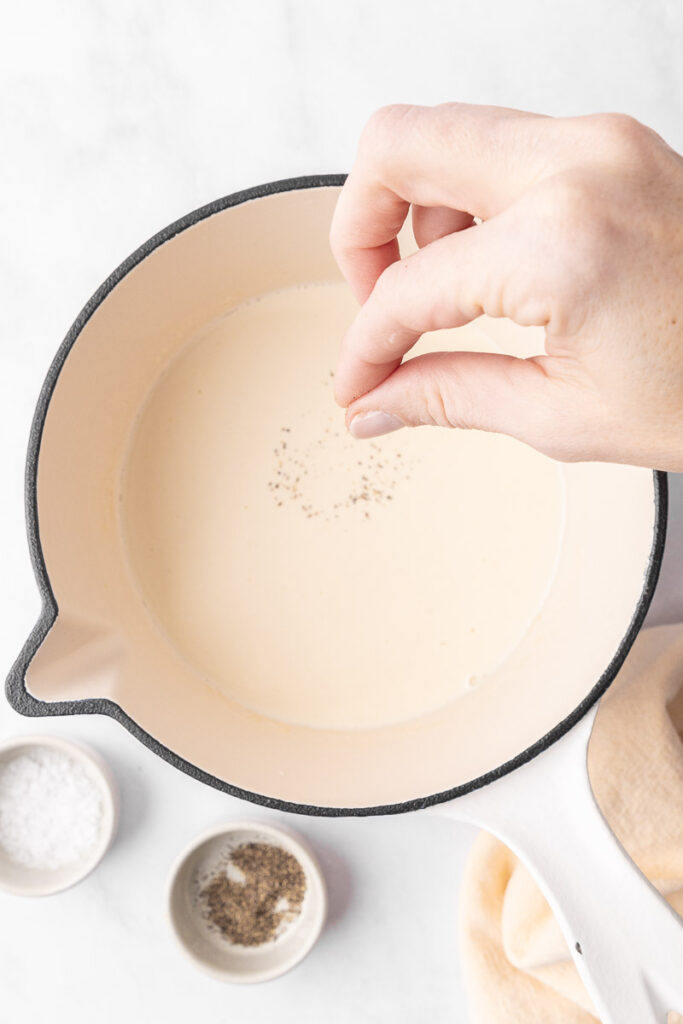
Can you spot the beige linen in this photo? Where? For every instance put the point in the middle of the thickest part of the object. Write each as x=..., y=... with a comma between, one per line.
x=516, y=963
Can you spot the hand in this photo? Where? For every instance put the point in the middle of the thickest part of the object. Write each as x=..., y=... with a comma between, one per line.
x=581, y=232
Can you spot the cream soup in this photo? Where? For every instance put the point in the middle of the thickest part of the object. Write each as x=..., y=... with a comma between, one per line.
x=316, y=579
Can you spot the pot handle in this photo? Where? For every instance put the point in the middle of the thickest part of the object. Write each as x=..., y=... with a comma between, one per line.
x=625, y=939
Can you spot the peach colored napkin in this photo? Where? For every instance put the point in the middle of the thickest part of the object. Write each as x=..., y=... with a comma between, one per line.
x=516, y=964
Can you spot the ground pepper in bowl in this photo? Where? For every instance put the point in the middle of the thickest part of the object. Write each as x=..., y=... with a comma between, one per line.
x=267, y=894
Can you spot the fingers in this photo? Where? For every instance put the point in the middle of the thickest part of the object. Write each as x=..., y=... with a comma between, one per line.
x=491, y=268
x=475, y=390
x=432, y=222
x=474, y=159
x=366, y=221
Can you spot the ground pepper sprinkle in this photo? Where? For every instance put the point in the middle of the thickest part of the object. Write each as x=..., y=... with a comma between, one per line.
x=356, y=485
x=252, y=911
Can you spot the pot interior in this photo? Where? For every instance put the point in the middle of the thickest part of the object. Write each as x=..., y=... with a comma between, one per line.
x=308, y=618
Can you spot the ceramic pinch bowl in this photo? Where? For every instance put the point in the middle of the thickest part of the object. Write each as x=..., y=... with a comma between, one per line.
x=24, y=880
x=203, y=942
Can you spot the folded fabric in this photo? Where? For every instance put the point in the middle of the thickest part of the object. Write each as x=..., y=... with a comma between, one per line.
x=516, y=964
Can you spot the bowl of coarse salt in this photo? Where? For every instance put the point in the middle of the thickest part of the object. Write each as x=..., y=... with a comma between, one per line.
x=58, y=813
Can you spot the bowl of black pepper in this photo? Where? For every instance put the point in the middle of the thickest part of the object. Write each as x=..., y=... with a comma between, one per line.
x=247, y=901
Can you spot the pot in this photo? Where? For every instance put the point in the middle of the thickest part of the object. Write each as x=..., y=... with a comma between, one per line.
x=103, y=646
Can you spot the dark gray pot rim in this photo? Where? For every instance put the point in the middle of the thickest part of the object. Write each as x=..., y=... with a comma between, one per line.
x=26, y=704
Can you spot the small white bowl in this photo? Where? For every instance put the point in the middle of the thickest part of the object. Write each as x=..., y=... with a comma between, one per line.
x=204, y=944
x=27, y=881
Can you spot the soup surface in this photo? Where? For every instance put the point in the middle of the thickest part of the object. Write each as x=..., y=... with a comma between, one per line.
x=310, y=577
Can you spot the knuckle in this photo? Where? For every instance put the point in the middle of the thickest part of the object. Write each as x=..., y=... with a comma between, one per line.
x=526, y=297
x=385, y=128
x=440, y=411
x=437, y=412
x=449, y=398
x=621, y=138
x=437, y=398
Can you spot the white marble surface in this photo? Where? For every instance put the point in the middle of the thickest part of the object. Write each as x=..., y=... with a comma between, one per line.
x=116, y=118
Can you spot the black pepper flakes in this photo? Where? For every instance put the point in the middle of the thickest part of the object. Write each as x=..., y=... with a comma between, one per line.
x=303, y=473
x=251, y=912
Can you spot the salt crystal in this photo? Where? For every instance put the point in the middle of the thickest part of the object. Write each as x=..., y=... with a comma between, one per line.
x=50, y=809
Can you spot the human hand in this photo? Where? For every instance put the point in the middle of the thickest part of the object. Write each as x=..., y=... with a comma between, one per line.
x=581, y=232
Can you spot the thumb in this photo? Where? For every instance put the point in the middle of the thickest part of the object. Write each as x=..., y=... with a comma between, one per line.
x=484, y=391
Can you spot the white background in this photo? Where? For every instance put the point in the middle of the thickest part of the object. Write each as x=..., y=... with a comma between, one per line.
x=116, y=118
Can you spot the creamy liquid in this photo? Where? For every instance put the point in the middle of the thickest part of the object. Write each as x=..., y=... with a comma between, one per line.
x=313, y=578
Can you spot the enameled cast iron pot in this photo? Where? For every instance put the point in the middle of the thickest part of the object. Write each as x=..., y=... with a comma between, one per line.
x=94, y=649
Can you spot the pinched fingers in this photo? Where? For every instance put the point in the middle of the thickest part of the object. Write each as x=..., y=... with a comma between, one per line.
x=466, y=159
x=485, y=269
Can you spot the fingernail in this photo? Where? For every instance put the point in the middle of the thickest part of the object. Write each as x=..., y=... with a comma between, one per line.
x=373, y=424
